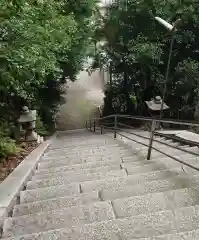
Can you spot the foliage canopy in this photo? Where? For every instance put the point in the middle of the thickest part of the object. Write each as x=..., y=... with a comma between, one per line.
x=42, y=44
x=138, y=48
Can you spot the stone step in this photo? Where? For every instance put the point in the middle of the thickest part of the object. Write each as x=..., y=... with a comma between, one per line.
x=160, y=164
x=66, y=179
x=100, y=145
x=64, y=190
x=85, y=149
x=62, y=172
x=131, y=168
x=80, y=143
x=185, y=157
x=140, y=185
x=87, y=154
x=90, y=165
x=169, y=141
x=165, y=225
x=49, y=192
x=97, y=157
x=123, y=206
x=81, y=157
x=169, y=200
x=158, y=145
x=157, y=165
x=161, y=147
x=190, y=235
x=136, y=166
x=84, y=152
x=84, y=233
x=91, y=150
x=154, y=224
x=55, y=203
x=128, y=164
x=148, y=168
x=73, y=161
x=173, y=150
x=156, y=154
x=155, y=144
x=77, y=151
x=60, y=218
x=112, y=192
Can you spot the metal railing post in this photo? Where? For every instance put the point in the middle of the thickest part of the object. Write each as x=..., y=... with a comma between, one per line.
x=115, y=126
x=94, y=125
x=151, y=139
x=101, y=128
x=86, y=125
x=90, y=125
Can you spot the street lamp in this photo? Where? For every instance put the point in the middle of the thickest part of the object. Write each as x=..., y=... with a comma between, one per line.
x=172, y=29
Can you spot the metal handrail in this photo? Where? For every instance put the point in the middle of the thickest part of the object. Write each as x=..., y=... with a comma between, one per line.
x=168, y=155
x=175, y=138
x=153, y=126
x=164, y=143
x=173, y=121
x=155, y=140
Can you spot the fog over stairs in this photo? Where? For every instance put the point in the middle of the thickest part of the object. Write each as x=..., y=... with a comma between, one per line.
x=82, y=99
x=91, y=187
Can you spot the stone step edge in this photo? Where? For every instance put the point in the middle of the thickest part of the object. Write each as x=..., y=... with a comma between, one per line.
x=115, y=151
x=81, y=171
x=76, y=227
x=66, y=208
x=32, y=182
x=44, y=171
x=15, y=182
x=122, y=161
x=58, y=198
x=121, y=166
x=22, y=193
x=178, y=176
x=99, y=199
x=100, y=147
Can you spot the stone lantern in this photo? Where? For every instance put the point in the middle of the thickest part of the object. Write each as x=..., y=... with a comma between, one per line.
x=154, y=108
x=27, y=123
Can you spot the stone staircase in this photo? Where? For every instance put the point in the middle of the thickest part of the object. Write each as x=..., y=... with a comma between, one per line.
x=92, y=187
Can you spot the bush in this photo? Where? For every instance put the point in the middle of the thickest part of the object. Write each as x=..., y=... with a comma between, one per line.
x=7, y=144
x=41, y=128
x=7, y=147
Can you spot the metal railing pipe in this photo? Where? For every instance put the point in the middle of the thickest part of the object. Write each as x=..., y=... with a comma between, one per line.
x=94, y=125
x=115, y=127
x=151, y=139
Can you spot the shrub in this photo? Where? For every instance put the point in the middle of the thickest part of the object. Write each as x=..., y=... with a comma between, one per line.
x=41, y=128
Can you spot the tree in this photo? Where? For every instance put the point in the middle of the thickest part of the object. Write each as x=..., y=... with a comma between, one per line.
x=42, y=45
x=138, y=47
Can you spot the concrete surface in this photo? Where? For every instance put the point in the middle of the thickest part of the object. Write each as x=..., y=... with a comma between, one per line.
x=92, y=187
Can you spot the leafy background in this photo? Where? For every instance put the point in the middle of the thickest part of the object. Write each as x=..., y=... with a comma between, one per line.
x=138, y=47
x=42, y=45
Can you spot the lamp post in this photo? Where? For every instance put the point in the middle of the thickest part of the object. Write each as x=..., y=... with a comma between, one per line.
x=172, y=29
